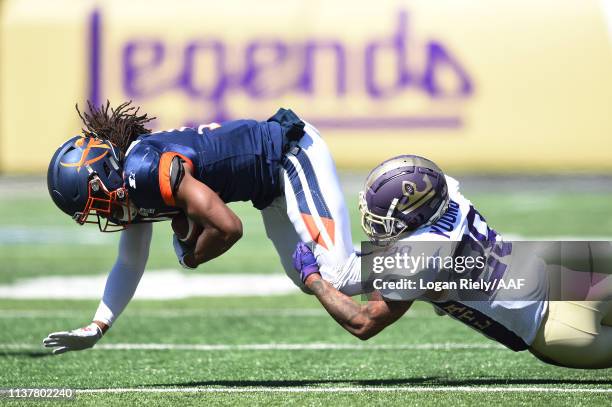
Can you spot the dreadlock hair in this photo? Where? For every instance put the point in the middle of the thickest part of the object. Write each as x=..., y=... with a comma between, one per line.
x=121, y=126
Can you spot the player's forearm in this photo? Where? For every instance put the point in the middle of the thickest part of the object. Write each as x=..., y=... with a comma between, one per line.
x=211, y=244
x=126, y=273
x=222, y=228
x=120, y=287
x=349, y=314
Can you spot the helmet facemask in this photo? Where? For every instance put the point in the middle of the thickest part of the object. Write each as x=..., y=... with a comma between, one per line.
x=113, y=209
x=383, y=229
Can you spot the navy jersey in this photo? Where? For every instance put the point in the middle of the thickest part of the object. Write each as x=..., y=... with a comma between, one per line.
x=240, y=160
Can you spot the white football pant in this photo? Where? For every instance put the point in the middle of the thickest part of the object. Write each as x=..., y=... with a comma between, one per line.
x=311, y=209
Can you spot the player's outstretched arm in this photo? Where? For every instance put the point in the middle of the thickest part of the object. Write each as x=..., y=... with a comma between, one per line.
x=120, y=287
x=363, y=321
x=222, y=228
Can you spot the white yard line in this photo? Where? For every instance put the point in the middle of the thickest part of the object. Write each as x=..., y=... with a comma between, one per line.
x=352, y=389
x=155, y=284
x=269, y=346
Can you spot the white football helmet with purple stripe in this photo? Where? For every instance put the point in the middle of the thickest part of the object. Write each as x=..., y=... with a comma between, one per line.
x=401, y=195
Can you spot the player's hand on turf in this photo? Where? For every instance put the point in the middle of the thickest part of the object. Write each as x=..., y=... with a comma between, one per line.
x=304, y=261
x=78, y=339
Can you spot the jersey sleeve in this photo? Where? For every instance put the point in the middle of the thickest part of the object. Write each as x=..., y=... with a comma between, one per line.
x=152, y=177
x=170, y=174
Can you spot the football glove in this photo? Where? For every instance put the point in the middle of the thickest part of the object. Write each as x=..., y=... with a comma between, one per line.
x=79, y=339
x=304, y=261
x=181, y=250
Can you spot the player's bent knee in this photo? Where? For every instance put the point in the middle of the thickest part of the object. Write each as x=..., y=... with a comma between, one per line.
x=578, y=352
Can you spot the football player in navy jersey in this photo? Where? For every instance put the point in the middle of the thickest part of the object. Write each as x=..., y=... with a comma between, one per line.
x=408, y=200
x=121, y=176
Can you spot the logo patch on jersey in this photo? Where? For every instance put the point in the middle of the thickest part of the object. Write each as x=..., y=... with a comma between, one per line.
x=146, y=212
x=92, y=143
x=132, y=180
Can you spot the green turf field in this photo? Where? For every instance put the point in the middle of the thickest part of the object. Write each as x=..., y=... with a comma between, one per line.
x=272, y=350
x=283, y=320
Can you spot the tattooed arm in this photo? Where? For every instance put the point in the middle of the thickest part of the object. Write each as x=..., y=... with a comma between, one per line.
x=363, y=321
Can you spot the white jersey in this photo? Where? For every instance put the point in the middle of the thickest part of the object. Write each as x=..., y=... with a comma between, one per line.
x=510, y=316
x=520, y=315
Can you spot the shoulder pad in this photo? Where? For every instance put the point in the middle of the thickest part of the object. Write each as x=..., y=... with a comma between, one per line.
x=141, y=174
x=152, y=177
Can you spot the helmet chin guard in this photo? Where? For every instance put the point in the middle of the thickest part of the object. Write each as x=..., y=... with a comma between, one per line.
x=113, y=209
x=401, y=195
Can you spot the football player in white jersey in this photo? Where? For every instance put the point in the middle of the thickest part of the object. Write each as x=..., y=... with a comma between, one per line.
x=408, y=200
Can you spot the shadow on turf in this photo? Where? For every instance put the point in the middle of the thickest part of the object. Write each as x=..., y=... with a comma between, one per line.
x=30, y=354
x=379, y=382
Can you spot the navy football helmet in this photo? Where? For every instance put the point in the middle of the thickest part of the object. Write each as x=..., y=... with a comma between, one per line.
x=401, y=195
x=85, y=177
